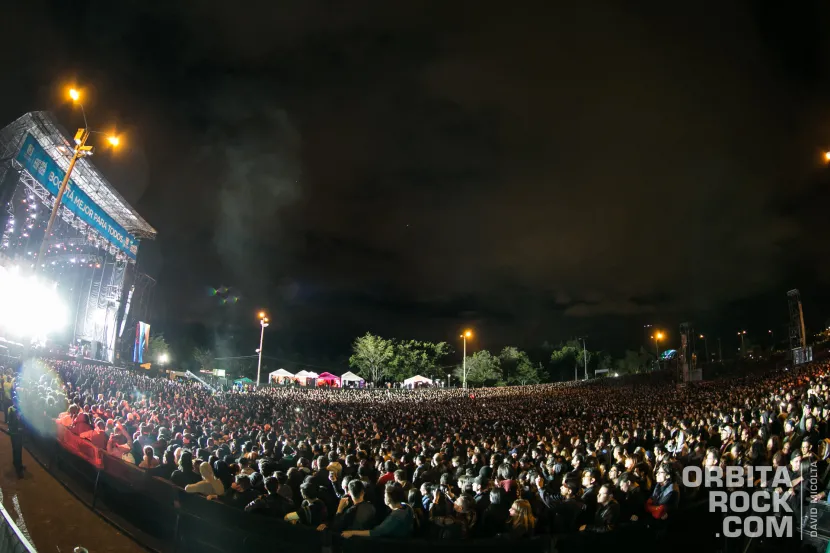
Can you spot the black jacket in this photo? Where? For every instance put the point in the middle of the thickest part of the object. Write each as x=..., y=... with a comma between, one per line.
x=565, y=513
x=589, y=497
x=632, y=503
x=667, y=495
x=357, y=517
x=272, y=505
x=606, y=518
x=313, y=513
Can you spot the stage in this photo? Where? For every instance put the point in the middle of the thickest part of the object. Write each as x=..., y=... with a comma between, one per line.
x=90, y=260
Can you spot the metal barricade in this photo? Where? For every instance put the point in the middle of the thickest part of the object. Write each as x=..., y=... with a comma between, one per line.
x=12, y=539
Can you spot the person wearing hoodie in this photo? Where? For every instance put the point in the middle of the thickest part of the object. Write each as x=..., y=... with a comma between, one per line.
x=209, y=485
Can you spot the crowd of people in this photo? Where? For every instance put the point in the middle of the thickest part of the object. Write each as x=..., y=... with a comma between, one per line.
x=576, y=460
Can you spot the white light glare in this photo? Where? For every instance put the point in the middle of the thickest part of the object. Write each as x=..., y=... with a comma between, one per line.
x=29, y=308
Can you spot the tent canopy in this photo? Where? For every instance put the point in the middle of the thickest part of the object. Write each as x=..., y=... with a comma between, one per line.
x=306, y=374
x=244, y=380
x=351, y=377
x=280, y=373
x=417, y=379
x=328, y=377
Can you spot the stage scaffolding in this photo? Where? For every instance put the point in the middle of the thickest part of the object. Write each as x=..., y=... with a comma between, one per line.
x=89, y=269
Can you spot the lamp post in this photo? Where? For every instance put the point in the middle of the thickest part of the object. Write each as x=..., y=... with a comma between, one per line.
x=263, y=322
x=448, y=380
x=81, y=150
x=705, y=346
x=467, y=334
x=585, y=357
x=772, y=338
x=742, y=333
x=657, y=337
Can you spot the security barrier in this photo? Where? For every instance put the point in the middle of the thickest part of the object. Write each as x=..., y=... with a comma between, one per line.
x=12, y=539
x=80, y=447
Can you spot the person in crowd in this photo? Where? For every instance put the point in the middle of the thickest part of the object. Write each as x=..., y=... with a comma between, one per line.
x=459, y=522
x=15, y=429
x=168, y=465
x=241, y=493
x=209, y=485
x=81, y=424
x=150, y=460
x=118, y=447
x=185, y=475
x=271, y=504
x=495, y=515
x=565, y=509
x=312, y=511
x=521, y=523
x=632, y=502
x=607, y=514
x=666, y=496
x=353, y=511
x=397, y=524
x=98, y=435
x=419, y=516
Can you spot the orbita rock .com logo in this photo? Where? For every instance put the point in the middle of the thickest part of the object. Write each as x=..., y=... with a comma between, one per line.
x=754, y=501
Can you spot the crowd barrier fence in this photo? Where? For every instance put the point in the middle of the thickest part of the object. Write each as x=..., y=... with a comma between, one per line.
x=189, y=522
x=12, y=539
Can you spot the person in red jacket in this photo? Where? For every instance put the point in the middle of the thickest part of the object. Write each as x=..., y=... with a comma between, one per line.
x=389, y=475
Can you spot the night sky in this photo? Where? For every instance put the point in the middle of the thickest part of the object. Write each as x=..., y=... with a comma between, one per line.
x=535, y=170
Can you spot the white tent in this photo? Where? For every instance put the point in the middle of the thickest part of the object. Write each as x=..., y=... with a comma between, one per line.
x=303, y=377
x=416, y=380
x=350, y=377
x=280, y=376
x=351, y=380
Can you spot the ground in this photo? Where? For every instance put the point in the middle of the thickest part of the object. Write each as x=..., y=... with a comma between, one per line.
x=53, y=519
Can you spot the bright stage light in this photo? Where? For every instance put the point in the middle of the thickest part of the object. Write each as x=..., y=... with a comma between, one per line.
x=29, y=307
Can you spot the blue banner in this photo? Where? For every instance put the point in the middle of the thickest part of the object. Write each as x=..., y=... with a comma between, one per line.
x=42, y=167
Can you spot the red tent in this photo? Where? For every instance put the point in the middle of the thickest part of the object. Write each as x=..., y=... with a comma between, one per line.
x=328, y=379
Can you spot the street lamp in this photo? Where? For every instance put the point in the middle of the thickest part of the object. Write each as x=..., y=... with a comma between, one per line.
x=448, y=380
x=827, y=156
x=263, y=322
x=705, y=346
x=81, y=150
x=467, y=334
x=742, y=333
x=657, y=337
x=584, y=358
x=772, y=337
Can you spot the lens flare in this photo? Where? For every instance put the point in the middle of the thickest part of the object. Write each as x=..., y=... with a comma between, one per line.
x=30, y=402
x=29, y=307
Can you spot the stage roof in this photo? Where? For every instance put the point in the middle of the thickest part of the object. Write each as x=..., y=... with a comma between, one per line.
x=43, y=126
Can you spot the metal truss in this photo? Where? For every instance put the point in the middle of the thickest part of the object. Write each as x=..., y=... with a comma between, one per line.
x=91, y=235
x=50, y=135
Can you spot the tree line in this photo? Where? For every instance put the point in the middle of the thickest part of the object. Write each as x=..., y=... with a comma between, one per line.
x=379, y=359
